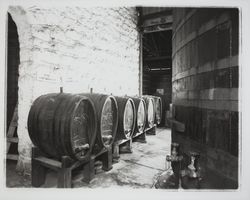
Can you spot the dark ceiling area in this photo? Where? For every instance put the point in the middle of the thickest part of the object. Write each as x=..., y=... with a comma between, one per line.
x=156, y=28
x=157, y=50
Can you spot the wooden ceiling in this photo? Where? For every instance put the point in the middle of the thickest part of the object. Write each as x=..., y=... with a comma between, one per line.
x=155, y=24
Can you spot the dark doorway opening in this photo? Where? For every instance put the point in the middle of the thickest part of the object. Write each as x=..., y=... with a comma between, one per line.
x=157, y=63
x=157, y=66
x=13, y=62
x=155, y=24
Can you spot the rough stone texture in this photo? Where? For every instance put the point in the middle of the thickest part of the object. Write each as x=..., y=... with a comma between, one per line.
x=77, y=48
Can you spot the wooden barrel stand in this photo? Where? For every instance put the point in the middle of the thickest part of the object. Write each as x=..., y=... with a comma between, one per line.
x=140, y=137
x=121, y=146
x=40, y=164
x=151, y=130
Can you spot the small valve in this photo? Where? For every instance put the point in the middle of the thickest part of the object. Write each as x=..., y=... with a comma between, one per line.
x=82, y=148
x=191, y=176
x=175, y=153
x=169, y=179
x=107, y=138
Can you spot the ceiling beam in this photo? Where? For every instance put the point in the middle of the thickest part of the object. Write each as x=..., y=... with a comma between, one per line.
x=157, y=58
x=157, y=28
x=156, y=14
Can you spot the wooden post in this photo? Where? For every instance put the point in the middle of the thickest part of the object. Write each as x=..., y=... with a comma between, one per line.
x=116, y=155
x=89, y=170
x=143, y=137
x=127, y=148
x=38, y=172
x=129, y=145
x=64, y=174
x=107, y=160
x=10, y=134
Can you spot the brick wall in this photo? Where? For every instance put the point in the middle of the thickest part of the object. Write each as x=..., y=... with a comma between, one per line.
x=77, y=48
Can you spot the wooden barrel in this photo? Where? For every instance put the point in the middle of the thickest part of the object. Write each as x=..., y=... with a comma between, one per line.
x=140, y=108
x=164, y=107
x=61, y=124
x=126, y=118
x=150, y=110
x=107, y=119
x=158, y=109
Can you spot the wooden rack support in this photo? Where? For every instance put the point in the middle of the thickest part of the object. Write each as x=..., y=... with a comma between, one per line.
x=10, y=136
x=151, y=131
x=89, y=170
x=121, y=146
x=106, y=158
x=140, y=137
x=64, y=168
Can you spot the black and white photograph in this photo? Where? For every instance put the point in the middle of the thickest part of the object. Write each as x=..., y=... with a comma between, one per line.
x=147, y=99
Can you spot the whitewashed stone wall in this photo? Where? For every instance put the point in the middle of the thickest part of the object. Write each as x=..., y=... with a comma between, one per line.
x=77, y=48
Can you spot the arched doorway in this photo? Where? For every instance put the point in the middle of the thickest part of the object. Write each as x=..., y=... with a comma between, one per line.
x=13, y=62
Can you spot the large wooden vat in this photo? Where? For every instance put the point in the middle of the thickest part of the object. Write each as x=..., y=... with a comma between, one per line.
x=150, y=111
x=140, y=108
x=126, y=116
x=205, y=79
x=107, y=119
x=61, y=124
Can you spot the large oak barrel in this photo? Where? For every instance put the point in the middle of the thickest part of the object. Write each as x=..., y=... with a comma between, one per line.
x=126, y=116
x=141, y=118
x=150, y=111
x=61, y=124
x=107, y=119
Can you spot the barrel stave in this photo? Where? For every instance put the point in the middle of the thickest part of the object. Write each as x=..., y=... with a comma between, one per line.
x=158, y=109
x=126, y=124
x=140, y=108
x=107, y=119
x=150, y=111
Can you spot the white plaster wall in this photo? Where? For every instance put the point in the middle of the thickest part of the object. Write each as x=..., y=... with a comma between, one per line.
x=77, y=48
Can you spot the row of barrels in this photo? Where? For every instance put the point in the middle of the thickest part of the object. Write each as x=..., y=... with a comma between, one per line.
x=78, y=125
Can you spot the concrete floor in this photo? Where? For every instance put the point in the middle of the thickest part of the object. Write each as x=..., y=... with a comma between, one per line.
x=137, y=170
